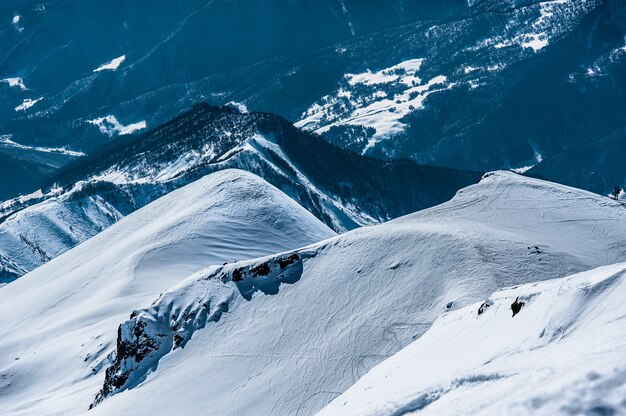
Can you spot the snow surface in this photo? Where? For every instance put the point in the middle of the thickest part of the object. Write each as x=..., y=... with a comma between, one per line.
x=16, y=82
x=554, y=18
x=110, y=126
x=562, y=353
x=28, y=103
x=32, y=237
x=112, y=65
x=59, y=322
x=377, y=100
x=5, y=141
x=16, y=20
x=305, y=332
x=347, y=304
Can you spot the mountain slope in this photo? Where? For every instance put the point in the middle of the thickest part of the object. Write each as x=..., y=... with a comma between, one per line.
x=561, y=353
x=67, y=308
x=500, y=83
x=603, y=172
x=478, y=85
x=80, y=62
x=308, y=324
x=341, y=188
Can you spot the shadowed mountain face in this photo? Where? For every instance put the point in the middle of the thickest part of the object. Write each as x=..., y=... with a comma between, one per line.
x=342, y=188
x=327, y=180
x=163, y=50
x=474, y=85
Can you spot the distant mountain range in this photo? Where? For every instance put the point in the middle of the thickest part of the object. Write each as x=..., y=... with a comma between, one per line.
x=476, y=85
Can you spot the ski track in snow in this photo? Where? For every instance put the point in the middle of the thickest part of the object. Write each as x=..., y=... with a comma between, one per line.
x=561, y=353
x=85, y=293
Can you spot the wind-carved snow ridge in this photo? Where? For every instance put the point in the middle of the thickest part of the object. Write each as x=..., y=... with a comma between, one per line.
x=5, y=141
x=112, y=65
x=27, y=103
x=169, y=323
x=374, y=100
x=15, y=82
x=110, y=126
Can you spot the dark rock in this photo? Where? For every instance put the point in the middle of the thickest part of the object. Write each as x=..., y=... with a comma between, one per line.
x=517, y=306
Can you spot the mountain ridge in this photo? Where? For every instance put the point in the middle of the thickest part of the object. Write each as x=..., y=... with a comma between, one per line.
x=343, y=189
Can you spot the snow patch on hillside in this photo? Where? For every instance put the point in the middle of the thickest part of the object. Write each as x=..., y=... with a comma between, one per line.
x=545, y=22
x=241, y=107
x=5, y=141
x=112, y=65
x=27, y=103
x=16, y=82
x=602, y=65
x=110, y=126
x=16, y=21
x=377, y=100
x=403, y=72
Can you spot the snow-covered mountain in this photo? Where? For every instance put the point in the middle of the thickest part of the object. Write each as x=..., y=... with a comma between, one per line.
x=341, y=188
x=304, y=325
x=174, y=176
x=59, y=322
x=477, y=85
x=320, y=317
x=548, y=348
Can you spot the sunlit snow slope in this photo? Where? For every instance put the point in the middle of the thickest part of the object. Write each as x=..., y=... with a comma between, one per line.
x=58, y=322
x=562, y=353
x=287, y=334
